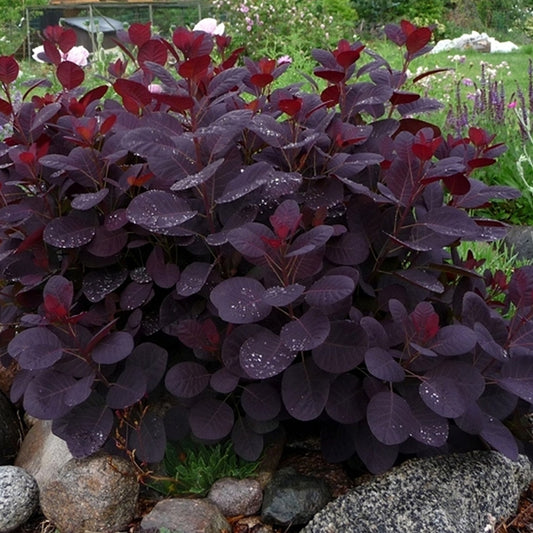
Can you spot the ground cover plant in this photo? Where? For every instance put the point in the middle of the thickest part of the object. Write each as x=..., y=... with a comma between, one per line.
x=187, y=236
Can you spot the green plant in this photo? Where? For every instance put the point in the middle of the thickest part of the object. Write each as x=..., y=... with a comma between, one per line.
x=283, y=27
x=194, y=467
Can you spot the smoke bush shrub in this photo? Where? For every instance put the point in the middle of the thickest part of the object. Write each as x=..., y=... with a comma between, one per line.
x=255, y=255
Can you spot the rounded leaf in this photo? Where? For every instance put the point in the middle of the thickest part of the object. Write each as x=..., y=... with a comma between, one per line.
x=261, y=401
x=69, y=74
x=211, y=419
x=390, y=418
x=129, y=388
x=113, y=348
x=263, y=355
x=280, y=296
x=381, y=364
x=186, y=380
x=70, y=231
x=329, y=290
x=152, y=358
x=306, y=332
x=44, y=397
x=247, y=443
x=9, y=69
x=347, y=400
x=239, y=300
x=35, y=348
x=305, y=390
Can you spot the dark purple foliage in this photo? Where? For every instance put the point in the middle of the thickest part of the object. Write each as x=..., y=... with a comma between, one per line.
x=245, y=255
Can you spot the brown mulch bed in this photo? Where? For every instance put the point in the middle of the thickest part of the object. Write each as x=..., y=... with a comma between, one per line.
x=522, y=522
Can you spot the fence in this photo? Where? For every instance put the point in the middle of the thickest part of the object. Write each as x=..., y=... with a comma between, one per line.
x=164, y=16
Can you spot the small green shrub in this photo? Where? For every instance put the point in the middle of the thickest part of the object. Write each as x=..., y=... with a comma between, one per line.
x=194, y=467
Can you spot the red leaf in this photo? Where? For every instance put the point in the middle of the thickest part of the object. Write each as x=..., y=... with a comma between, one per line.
x=398, y=98
x=182, y=38
x=481, y=162
x=261, y=80
x=194, y=67
x=176, y=103
x=333, y=76
x=458, y=184
x=139, y=33
x=52, y=53
x=9, y=70
x=5, y=107
x=69, y=75
x=27, y=158
x=348, y=57
x=67, y=40
x=291, y=106
x=93, y=94
x=131, y=90
x=55, y=310
x=152, y=50
x=330, y=95
x=407, y=27
x=417, y=40
x=107, y=124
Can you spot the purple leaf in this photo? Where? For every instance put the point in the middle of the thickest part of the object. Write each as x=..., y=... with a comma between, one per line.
x=158, y=210
x=450, y=221
x=263, y=355
x=45, y=394
x=390, y=418
x=79, y=391
x=135, y=294
x=35, y=348
x=343, y=349
x=347, y=400
x=193, y=180
x=113, y=348
x=376, y=456
x=246, y=442
x=488, y=344
x=280, y=296
x=248, y=240
x=193, y=278
x=310, y=240
x=348, y=249
x=148, y=439
x=232, y=345
x=250, y=179
x=86, y=427
x=500, y=438
x=129, y=388
x=87, y=200
x=422, y=279
x=305, y=390
x=223, y=381
x=307, y=332
x=381, y=364
x=261, y=401
x=451, y=387
x=211, y=419
x=186, y=380
x=107, y=243
x=286, y=218
x=453, y=340
x=432, y=429
x=70, y=231
x=165, y=275
x=152, y=359
x=329, y=290
x=61, y=289
x=517, y=377
x=239, y=300
x=97, y=284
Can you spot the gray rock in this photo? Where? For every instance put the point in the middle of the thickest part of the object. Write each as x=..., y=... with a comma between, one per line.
x=10, y=431
x=449, y=494
x=292, y=498
x=520, y=240
x=98, y=493
x=181, y=515
x=236, y=496
x=19, y=497
x=42, y=454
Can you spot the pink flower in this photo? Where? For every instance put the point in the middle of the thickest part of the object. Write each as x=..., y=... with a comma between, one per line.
x=512, y=104
x=77, y=54
x=284, y=59
x=468, y=82
x=211, y=26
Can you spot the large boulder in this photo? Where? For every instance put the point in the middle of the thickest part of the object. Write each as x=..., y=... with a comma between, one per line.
x=19, y=497
x=460, y=493
x=97, y=493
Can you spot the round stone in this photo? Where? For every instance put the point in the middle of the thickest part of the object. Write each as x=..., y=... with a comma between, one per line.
x=19, y=496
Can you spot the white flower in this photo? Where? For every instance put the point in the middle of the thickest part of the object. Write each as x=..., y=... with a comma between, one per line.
x=77, y=54
x=211, y=26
